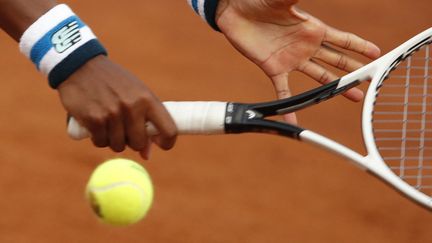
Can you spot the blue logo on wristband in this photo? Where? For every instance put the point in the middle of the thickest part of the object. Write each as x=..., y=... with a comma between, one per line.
x=66, y=37
x=60, y=38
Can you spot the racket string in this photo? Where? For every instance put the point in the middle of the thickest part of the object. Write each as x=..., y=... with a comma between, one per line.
x=423, y=124
x=402, y=120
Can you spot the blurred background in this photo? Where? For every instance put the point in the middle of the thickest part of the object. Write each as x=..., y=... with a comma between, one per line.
x=239, y=188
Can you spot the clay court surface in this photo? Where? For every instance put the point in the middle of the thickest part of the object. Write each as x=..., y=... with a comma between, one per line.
x=240, y=188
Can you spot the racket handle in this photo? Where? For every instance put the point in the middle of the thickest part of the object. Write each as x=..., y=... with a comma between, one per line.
x=190, y=117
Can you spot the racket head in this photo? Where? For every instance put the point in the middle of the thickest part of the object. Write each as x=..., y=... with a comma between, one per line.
x=395, y=119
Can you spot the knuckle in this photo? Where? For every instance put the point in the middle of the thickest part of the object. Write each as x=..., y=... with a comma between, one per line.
x=138, y=100
x=364, y=47
x=324, y=77
x=314, y=30
x=97, y=119
x=102, y=117
x=283, y=93
x=319, y=53
x=348, y=41
x=342, y=62
x=94, y=117
x=302, y=67
x=113, y=111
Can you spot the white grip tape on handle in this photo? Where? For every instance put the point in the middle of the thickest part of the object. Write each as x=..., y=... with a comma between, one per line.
x=190, y=117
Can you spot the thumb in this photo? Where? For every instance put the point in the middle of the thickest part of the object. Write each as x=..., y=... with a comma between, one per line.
x=280, y=83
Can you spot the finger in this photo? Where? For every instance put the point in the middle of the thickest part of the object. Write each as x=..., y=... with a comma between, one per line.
x=280, y=84
x=146, y=152
x=98, y=131
x=351, y=42
x=337, y=59
x=117, y=139
x=324, y=76
x=317, y=72
x=163, y=122
x=290, y=118
x=135, y=128
x=157, y=139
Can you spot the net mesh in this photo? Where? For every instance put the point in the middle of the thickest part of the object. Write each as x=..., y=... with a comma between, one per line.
x=402, y=120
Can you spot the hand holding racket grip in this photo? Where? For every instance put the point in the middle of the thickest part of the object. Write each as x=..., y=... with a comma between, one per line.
x=190, y=117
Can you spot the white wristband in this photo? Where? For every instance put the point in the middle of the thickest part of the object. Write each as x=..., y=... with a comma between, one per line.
x=52, y=39
x=206, y=9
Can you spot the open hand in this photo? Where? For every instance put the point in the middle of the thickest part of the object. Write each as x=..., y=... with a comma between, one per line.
x=279, y=39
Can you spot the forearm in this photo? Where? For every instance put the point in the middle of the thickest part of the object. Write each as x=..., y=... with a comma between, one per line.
x=17, y=15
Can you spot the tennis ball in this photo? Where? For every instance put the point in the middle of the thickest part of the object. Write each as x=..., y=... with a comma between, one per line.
x=120, y=192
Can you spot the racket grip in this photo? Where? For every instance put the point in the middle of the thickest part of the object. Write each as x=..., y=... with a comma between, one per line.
x=190, y=117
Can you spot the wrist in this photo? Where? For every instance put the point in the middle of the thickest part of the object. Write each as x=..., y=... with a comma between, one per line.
x=81, y=75
x=59, y=43
x=222, y=5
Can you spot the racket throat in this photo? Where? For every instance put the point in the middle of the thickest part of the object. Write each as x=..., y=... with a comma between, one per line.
x=243, y=118
x=303, y=100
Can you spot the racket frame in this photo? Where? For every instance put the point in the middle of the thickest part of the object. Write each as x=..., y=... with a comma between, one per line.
x=242, y=118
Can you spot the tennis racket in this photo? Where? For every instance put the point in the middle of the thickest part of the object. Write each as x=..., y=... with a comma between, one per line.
x=396, y=118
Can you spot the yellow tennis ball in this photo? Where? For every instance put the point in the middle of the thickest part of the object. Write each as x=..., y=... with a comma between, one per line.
x=120, y=192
